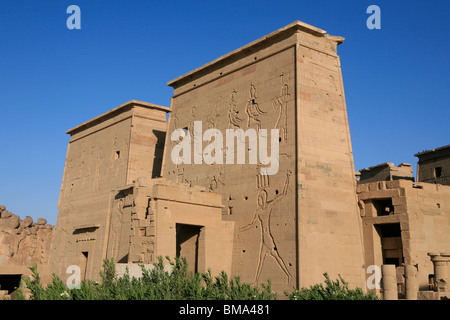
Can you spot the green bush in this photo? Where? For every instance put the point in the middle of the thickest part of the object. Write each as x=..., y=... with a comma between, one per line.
x=334, y=290
x=155, y=284
x=159, y=284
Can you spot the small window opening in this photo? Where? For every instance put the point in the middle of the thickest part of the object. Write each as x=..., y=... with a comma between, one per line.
x=437, y=172
x=383, y=207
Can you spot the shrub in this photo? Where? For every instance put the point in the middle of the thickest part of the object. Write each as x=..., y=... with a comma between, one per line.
x=155, y=284
x=334, y=290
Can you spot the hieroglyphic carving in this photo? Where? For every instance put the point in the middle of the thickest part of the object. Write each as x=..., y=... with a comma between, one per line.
x=214, y=118
x=216, y=182
x=253, y=110
x=264, y=208
x=116, y=225
x=281, y=103
x=98, y=166
x=332, y=83
x=65, y=225
x=191, y=123
x=67, y=178
x=233, y=113
x=175, y=120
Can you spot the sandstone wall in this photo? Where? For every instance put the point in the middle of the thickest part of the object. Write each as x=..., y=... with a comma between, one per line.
x=302, y=221
x=104, y=154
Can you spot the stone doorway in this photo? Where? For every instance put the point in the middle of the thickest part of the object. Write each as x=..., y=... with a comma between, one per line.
x=391, y=243
x=190, y=245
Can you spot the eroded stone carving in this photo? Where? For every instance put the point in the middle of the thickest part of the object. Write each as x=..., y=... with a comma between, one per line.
x=253, y=110
x=24, y=242
x=281, y=103
x=233, y=113
x=264, y=208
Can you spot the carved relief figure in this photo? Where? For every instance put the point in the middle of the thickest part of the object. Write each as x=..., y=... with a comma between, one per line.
x=332, y=83
x=253, y=110
x=280, y=103
x=191, y=123
x=214, y=118
x=215, y=182
x=175, y=120
x=233, y=114
x=262, y=214
x=116, y=226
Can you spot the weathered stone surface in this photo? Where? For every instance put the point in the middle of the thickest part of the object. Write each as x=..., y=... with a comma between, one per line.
x=106, y=154
x=10, y=222
x=27, y=222
x=434, y=165
x=290, y=227
x=420, y=223
x=6, y=214
x=248, y=223
x=23, y=243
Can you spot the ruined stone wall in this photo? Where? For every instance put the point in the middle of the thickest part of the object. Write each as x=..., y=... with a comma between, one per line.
x=434, y=166
x=422, y=211
x=385, y=172
x=24, y=242
x=428, y=207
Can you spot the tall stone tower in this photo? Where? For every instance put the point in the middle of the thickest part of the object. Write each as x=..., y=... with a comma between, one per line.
x=104, y=155
x=303, y=221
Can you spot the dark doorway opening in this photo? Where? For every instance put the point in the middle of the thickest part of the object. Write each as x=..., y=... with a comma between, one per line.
x=188, y=244
x=391, y=243
x=84, y=264
x=10, y=282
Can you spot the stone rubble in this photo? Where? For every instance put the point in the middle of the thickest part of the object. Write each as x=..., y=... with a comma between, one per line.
x=23, y=242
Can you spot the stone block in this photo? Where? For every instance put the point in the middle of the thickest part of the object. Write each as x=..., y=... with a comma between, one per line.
x=400, y=208
x=428, y=295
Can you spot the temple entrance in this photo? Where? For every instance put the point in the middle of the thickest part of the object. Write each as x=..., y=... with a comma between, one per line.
x=391, y=243
x=84, y=264
x=190, y=245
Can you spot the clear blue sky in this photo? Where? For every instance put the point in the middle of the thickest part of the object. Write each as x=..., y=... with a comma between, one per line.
x=51, y=78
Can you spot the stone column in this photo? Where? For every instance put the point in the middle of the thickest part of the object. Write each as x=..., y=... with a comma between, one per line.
x=411, y=282
x=389, y=281
x=441, y=262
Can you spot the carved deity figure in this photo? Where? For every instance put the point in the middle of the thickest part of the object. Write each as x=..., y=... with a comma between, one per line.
x=233, y=114
x=262, y=214
x=253, y=110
